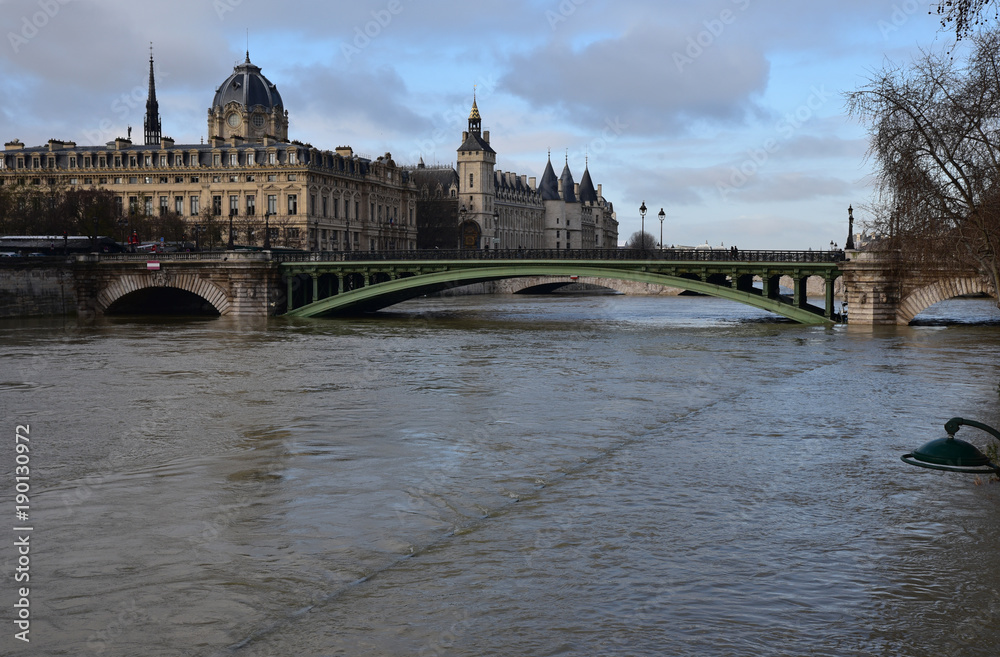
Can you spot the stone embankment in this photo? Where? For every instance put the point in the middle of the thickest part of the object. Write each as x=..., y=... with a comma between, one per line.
x=31, y=287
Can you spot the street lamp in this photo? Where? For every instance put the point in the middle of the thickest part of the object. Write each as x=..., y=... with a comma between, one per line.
x=461, y=226
x=642, y=229
x=496, y=228
x=347, y=233
x=662, y=216
x=952, y=454
x=231, y=213
x=267, y=231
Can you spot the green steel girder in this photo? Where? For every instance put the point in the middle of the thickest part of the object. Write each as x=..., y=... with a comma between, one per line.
x=428, y=278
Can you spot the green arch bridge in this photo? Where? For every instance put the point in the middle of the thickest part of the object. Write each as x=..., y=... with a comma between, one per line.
x=346, y=283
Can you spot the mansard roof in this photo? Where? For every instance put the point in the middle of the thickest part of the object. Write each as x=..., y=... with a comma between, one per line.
x=549, y=185
x=433, y=176
x=567, y=185
x=587, y=192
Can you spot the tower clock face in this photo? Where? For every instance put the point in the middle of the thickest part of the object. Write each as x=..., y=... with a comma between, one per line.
x=233, y=120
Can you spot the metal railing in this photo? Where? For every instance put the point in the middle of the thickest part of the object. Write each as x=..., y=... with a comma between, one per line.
x=674, y=255
x=633, y=255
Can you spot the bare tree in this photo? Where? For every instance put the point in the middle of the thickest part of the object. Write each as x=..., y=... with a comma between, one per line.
x=966, y=15
x=935, y=138
x=641, y=240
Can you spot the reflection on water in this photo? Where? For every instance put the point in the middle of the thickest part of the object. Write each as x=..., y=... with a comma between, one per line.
x=512, y=476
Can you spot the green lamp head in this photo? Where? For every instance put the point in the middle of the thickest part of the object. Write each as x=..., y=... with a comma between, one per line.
x=952, y=454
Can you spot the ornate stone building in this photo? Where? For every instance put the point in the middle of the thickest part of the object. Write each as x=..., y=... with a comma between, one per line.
x=249, y=175
x=475, y=205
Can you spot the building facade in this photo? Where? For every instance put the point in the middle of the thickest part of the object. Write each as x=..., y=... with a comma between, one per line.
x=476, y=206
x=248, y=178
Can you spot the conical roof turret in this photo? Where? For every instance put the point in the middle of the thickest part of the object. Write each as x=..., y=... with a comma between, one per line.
x=587, y=192
x=568, y=194
x=548, y=187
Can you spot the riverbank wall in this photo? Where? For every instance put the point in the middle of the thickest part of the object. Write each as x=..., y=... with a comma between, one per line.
x=33, y=287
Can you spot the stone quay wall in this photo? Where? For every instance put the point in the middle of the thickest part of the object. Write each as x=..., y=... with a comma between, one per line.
x=33, y=287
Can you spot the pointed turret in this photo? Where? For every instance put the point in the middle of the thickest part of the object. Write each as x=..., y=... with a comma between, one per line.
x=152, y=121
x=548, y=188
x=474, y=140
x=568, y=194
x=587, y=192
x=475, y=121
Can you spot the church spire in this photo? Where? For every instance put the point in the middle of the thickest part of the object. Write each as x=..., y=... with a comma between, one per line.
x=152, y=122
x=475, y=121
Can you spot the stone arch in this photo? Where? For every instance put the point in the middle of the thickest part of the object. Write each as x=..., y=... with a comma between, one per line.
x=516, y=285
x=129, y=283
x=924, y=297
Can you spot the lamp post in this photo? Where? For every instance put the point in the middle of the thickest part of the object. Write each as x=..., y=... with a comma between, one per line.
x=952, y=454
x=662, y=216
x=267, y=231
x=461, y=226
x=496, y=228
x=347, y=233
x=642, y=229
x=231, y=213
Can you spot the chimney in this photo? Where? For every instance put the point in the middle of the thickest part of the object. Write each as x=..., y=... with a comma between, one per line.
x=531, y=183
x=465, y=135
x=15, y=145
x=486, y=136
x=599, y=194
x=166, y=142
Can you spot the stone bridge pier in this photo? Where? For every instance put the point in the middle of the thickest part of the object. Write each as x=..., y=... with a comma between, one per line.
x=240, y=284
x=882, y=289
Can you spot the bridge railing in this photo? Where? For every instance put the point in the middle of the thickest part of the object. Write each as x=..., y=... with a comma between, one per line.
x=676, y=255
x=682, y=255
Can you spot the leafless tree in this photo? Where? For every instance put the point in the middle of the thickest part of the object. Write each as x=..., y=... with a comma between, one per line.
x=967, y=16
x=641, y=240
x=935, y=138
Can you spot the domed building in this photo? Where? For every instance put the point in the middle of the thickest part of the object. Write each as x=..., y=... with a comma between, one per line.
x=248, y=105
x=246, y=184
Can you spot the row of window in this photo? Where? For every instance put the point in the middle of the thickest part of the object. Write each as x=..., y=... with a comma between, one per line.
x=136, y=203
x=163, y=161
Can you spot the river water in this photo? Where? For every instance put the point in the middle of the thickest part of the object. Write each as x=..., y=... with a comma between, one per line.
x=502, y=476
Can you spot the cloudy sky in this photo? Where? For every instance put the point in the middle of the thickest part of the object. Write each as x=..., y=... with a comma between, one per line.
x=729, y=114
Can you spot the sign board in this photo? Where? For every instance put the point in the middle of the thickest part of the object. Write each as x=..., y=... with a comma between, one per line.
x=152, y=265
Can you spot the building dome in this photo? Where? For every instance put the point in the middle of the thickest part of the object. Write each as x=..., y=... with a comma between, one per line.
x=248, y=87
x=247, y=105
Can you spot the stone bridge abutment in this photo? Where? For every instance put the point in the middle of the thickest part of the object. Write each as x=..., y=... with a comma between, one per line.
x=882, y=289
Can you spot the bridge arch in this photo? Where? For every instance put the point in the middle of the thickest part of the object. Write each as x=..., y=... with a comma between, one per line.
x=382, y=295
x=924, y=297
x=130, y=283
